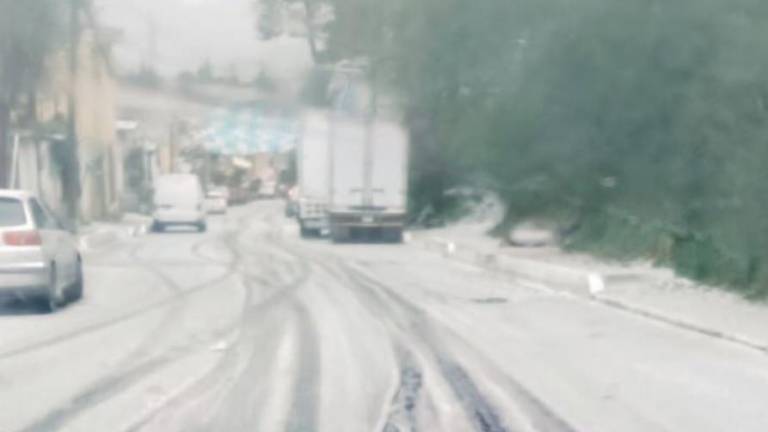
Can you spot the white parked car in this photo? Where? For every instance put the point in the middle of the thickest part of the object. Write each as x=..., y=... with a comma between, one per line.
x=179, y=200
x=216, y=201
x=39, y=258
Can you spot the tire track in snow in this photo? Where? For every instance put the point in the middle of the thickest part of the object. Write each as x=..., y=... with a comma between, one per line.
x=220, y=381
x=136, y=365
x=112, y=385
x=479, y=409
x=303, y=413
x=481, y=412
x=402, y=416
x=542, y=417
x=113, y=321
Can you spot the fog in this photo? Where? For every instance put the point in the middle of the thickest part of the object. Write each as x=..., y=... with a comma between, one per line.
x=383, y=215
x=173, y=36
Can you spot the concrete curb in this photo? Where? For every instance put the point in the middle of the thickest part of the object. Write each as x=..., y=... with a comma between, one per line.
x=591, y=286
x=576, y=280
x=98, y=240
x=682, y=323
x=104, y=237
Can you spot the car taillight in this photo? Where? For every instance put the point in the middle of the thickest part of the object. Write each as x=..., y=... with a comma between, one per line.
x=22, y=238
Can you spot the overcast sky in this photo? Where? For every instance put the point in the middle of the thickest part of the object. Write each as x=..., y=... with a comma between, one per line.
x=178, y=35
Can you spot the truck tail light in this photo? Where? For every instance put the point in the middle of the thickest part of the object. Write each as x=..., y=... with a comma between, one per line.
x=22, y=238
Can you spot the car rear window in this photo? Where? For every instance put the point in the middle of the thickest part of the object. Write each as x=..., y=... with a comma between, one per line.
x=11, y=212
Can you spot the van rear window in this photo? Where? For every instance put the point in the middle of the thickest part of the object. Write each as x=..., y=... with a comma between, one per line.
x=11, y=213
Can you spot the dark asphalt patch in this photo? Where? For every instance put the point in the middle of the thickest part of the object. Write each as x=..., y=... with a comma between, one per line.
x=402, y=417
x=479, y=410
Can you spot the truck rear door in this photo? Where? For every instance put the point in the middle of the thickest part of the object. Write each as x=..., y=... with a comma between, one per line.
x=348, y=164
x=389, y=167
x=314, y=158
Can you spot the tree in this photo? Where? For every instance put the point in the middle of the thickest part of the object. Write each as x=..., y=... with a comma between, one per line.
x=641, y=125
x=28, y=31
x=269, y=21
x=205, y=72
x=272, y=17
x=265, y=82
x=69, y=159
x=315, y=89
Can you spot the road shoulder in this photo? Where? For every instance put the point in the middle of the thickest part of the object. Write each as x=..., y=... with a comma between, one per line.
x=637, y=288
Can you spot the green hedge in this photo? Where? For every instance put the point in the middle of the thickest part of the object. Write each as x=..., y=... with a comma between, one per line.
x=698, y=257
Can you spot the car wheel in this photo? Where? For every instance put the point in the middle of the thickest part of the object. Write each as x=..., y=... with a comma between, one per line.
x=308, y=232
x=76, y=290
x=339, y=234
x=52, y=299
x=202, y=227
x=157, y=227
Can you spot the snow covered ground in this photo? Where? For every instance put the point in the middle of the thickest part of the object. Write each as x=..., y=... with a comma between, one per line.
x=248, y=327
x=637, y=287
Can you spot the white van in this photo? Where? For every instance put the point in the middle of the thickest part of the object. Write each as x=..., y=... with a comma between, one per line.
x=179, y=200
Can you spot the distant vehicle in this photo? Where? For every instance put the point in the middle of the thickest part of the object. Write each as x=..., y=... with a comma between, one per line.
x=282, y=190
x=368, y=180
x=216, y=201
x=254, y=189
x=313, y=159
x=222, y=190
x=268, y=189
x=39, y=258
x=179, y=200
x=291, y=202
x=239, y=194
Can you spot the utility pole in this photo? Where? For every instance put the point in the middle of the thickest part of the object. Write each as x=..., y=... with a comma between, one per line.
x=173, y=137
x=70, y=176
x=5, y=126
x=309, y=11
x=206, y=168
x=152, y=49
x=14, y=162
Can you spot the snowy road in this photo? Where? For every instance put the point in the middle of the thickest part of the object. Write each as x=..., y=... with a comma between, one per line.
x=249, y=328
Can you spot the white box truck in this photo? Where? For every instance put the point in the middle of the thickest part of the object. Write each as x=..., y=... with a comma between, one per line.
x=368, y=179
x=313, y=174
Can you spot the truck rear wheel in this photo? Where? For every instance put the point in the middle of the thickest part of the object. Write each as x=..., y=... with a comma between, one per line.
x=393, y=235
x=304, y=231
